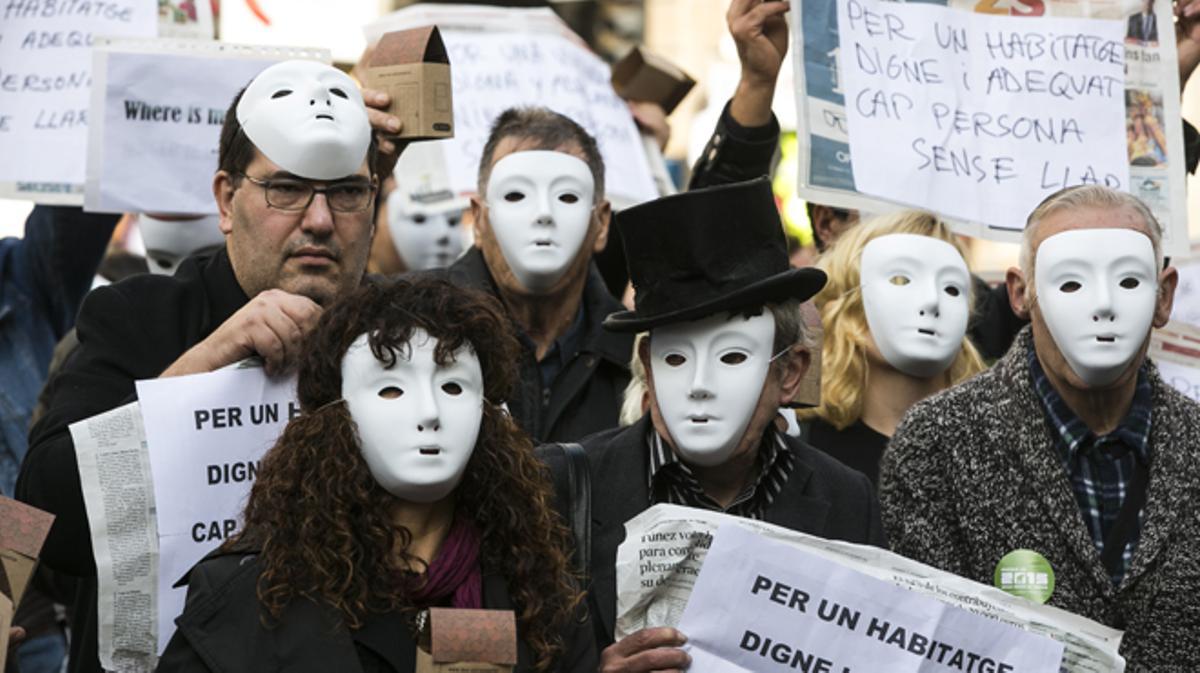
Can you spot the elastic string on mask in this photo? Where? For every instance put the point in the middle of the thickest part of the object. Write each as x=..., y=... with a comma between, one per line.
x=780, y=353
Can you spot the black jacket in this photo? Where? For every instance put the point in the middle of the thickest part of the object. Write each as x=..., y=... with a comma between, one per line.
x=586, y=395
x=220, y=631
x=822, y=497
x=128, y=331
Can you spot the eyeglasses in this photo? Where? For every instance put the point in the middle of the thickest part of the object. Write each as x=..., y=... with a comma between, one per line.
x=351, y=196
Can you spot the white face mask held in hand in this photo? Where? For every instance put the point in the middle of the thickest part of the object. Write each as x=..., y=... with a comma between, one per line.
x=708, y=377
x=915, y=291
x=539, y=206
x=307, y=117
x=1096, y=290
x=417, y=421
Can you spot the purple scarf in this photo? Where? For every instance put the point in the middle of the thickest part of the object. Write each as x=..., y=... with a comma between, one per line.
x=455, y=570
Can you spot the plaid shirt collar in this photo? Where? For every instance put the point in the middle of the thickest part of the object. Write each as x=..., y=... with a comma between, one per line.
x=1074, y=435
x=672, y=481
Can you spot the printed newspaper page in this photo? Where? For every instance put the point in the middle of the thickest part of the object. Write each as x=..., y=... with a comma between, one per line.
x=114, y=472
x=665, y=547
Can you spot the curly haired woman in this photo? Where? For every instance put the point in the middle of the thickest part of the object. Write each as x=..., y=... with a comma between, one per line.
x=403, y=486
x=895, y=312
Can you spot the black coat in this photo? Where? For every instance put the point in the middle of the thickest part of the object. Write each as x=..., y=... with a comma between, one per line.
x=128, y=331
x=822, y=497
x=586, y=396
x=221, y=631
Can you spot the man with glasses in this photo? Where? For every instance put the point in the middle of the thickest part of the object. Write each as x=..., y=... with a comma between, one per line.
x=295, y=187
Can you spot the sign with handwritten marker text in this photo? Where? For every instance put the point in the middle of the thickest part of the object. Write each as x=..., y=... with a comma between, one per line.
x=979, y=116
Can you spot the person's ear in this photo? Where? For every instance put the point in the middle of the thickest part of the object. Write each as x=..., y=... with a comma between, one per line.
x=602, y=215
x=479, y=216
x=792, y=377
x=223, y=189
x=1014, y=280
x=1167, y=282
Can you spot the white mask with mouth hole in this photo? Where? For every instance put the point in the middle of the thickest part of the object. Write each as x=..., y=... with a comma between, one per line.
x=915, y=297
x=708, y=378
x=417, y=421
x=308, y=118
x=539, y=206
x=169, y=241
x=1096, y=291
x=424, y=238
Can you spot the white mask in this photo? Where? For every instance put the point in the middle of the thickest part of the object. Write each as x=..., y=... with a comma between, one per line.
x=915, y=297
x=540, y=205
x=708, y=377
x=1096, y=289
x=418, y=421
x=308, y=118
x=168, y=242
x=424, y=239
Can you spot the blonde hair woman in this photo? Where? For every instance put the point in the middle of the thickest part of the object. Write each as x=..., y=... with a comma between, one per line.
x=895, y=312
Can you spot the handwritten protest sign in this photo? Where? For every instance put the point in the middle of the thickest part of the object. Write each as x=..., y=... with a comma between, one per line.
x=206, y=434
x=500, y=58
x=157, y=107
x=762, y=605
x=978, y=110
x=45, y=77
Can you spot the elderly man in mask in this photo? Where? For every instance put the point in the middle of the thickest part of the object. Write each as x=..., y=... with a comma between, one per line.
x=1072, y=448
x=725, y=351
x=295, y=187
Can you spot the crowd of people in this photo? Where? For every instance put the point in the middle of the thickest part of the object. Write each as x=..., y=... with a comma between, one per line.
x=449, y=395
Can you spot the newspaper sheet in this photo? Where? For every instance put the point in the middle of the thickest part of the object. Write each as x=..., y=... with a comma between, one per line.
x=114, y=472
x=665, y=547
x=1148, y=93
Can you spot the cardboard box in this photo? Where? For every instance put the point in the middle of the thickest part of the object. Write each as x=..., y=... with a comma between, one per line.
x=469, y=641
x=642, y=75
x=23, y=529
x=413, y=68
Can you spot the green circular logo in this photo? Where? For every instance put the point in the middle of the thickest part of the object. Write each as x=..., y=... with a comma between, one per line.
x=1025, y=573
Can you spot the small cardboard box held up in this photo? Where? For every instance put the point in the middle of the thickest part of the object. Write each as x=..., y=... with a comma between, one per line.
x=642, y=75
x=413, y=68
x=23, y=529
x=469, y=641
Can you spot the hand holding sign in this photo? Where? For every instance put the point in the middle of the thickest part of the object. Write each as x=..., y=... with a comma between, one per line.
x=272, y=326
x=646, y=650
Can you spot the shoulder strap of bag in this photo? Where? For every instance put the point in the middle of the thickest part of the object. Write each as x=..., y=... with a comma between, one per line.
x=579, y=485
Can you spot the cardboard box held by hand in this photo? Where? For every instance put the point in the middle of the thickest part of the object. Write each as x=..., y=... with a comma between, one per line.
x=23, y=529
x=412, y=67
x=469, y=641
x=645, y=76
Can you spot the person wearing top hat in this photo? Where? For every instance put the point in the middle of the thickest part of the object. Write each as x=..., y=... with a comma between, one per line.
x=725, y=351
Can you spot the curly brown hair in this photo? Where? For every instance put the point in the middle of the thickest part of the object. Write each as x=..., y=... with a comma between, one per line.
x=323, y=523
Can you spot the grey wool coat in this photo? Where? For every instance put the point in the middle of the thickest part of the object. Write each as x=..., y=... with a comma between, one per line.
x=971, y=474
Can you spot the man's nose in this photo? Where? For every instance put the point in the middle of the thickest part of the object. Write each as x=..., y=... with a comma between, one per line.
x=318, y=218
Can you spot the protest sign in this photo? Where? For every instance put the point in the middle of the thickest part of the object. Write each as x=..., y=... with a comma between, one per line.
x=114, y=477
x=978, y=112
x=45, y=77
x=156, y=108
x=503, y=57
x=206, y=434
x=762, y=606
x=666, y=550
x=1175, y=349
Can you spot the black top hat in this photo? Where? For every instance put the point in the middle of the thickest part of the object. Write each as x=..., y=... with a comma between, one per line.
x=701, y=252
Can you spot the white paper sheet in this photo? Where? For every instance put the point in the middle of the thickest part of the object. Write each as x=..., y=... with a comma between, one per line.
x=762, y=605
x=980, y=116
x=206, y=434
x=500, y=58
x=45, y=78
x=156, y=108
x=114, y=474
x=666, y=548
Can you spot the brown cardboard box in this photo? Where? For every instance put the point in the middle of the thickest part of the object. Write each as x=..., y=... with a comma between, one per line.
x=469, y=641
x=413, y=68
x=23, y=529
x=642, y=75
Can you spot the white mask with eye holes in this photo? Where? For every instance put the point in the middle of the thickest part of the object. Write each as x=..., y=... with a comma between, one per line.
x=424, y=239
x=1096, y=290
x=417, y=421
x=915, y=297
x=539, y=206
x=708, y=378
x=308, y=118
x=169, y=241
